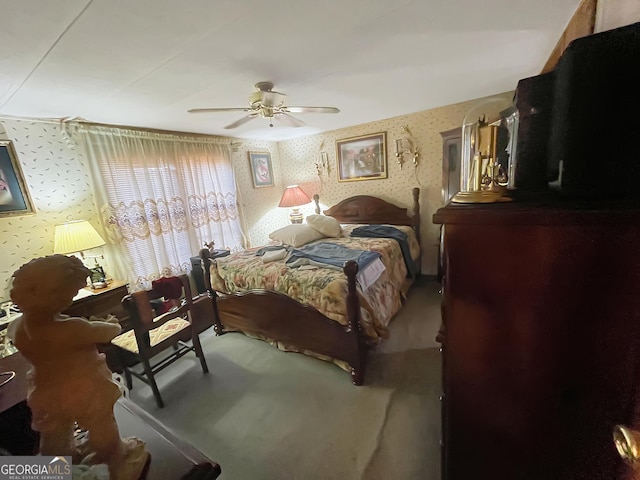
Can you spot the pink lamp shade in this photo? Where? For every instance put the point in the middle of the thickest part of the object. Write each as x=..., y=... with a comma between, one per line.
x=294, y=196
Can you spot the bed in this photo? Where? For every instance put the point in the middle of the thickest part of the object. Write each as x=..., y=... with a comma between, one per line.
x=345, y=320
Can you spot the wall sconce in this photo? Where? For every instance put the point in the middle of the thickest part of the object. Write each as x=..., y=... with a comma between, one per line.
x=322, y=165
x=406, y=146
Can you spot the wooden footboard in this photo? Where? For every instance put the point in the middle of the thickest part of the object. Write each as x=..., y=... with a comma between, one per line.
x=277, y=317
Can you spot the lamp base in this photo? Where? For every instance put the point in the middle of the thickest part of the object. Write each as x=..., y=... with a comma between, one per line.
x=296, y=216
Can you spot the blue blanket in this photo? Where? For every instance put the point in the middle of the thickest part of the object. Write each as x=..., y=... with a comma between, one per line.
x=385, y=231
x=332, y=254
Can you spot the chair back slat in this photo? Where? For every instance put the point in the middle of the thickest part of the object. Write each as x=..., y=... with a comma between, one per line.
x=147, y=323
x=143, y=314
x=143, y=310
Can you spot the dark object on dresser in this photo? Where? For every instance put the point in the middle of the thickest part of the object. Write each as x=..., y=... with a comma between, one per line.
x=533, y=100
x=541, y=340
x=594, y=126
x=278, y=317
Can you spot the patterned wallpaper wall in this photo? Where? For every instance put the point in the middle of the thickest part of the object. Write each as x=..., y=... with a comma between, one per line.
x=297, y=159
x=259, y=205
x=58, y=179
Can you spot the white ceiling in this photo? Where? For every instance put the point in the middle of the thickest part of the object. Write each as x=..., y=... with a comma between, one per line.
x=146, y=62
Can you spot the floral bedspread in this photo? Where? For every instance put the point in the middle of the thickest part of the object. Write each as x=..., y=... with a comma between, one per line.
x=324, y=289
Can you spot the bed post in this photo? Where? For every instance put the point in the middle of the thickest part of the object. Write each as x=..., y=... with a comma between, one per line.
x=205, y=263
x=353, y=317
x=316, y=199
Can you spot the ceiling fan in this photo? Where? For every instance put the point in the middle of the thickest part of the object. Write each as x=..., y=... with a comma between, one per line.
x=266, y=103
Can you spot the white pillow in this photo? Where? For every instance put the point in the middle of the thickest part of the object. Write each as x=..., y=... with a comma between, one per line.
x=296, y=235
x=328, y=226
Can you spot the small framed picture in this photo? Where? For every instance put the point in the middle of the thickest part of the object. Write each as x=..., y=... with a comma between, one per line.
x=362, y=158
x=261, y=169
x=14, y=196
x=97, y=277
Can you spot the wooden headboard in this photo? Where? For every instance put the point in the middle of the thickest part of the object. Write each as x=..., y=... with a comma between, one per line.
x=373, y=210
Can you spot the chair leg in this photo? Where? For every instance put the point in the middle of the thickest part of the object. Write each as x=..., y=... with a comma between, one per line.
x=128, y=379
x=198, y=346
x=152, y=382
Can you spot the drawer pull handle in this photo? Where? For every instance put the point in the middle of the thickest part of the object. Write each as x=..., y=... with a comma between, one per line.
x=627, y=442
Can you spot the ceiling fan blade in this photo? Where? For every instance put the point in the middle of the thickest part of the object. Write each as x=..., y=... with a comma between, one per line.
x=289, y=120
x=312, y=109
x=242, y=121
x=207, y=110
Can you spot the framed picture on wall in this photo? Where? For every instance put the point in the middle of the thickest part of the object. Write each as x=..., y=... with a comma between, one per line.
x=261, y=169
x=14, y=196
x=362, y=158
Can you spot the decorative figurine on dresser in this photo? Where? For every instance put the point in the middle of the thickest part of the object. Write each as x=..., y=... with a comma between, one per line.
x=69, y=381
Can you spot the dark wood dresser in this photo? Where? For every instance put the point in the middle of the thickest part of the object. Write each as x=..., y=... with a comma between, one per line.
x=541, y=339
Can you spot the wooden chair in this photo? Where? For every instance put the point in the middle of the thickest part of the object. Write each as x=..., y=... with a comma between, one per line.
x=156, y=331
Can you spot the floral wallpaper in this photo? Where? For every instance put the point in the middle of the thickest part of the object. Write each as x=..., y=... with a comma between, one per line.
x=57, y=177
x=58, y=181
x=294, y=162
x=258, y=205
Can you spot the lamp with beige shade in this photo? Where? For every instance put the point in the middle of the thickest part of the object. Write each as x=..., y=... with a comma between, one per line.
x=76, y=236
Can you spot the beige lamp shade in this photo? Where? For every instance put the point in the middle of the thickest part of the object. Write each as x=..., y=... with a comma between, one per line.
x=76, y=236
x=294, y=196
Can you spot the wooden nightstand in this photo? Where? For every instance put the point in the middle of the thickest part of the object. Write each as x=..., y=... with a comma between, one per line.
x=100, y=303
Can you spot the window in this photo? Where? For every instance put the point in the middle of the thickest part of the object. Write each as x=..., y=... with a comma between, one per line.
x=162, y=196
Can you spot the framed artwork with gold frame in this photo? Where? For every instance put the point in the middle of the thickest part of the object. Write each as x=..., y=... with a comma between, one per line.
x=362, y=158
x=14, y=195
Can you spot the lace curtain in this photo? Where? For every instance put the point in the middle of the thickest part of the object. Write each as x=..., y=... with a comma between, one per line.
x=160, y=197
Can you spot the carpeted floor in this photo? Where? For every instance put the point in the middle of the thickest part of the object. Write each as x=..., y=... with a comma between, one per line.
x=266, y=414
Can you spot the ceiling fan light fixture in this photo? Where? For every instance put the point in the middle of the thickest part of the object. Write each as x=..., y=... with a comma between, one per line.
x=268, y=104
